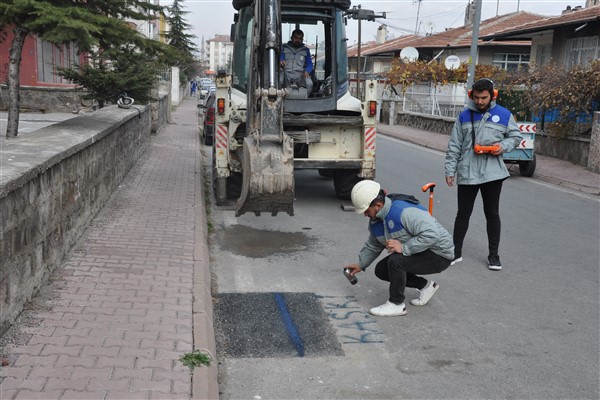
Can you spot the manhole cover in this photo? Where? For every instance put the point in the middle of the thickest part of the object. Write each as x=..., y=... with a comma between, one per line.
x=273, y=325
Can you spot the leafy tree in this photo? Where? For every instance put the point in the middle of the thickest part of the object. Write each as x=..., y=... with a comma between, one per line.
x=570, y=94
x=181, y=41
x=406, y=74
x=90, y=24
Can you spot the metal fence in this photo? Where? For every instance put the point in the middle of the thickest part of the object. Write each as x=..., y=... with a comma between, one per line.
x=164, y=74
x=443, y=101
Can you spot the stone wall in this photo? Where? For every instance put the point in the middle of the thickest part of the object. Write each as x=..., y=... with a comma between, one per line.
x=161, y=112
x=429, y=123
x=594, y=154
x=573, y=148
x=48, y=99
x=53, y=182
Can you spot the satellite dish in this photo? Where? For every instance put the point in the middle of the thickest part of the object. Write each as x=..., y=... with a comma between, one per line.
x=409, y=54
x=452, y=62
x=429, y=28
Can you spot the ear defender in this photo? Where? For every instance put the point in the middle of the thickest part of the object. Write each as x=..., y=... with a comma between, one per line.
x=470, y=93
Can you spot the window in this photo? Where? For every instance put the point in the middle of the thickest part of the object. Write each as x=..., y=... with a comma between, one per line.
x=510, y=62
x=50, y=57
x=582, y=50
x=543, y=54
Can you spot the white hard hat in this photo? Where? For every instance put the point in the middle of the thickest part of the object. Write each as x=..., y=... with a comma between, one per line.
x=363, y=193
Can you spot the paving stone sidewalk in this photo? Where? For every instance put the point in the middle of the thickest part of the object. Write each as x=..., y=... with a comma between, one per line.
x=123, y=308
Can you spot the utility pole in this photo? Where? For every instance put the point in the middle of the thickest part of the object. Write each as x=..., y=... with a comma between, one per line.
x=474, y=40
x=418, y=12
x=360, y=14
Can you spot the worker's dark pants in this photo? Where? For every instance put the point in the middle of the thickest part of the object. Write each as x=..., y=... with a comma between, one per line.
x=401, y=271
x=490, y=194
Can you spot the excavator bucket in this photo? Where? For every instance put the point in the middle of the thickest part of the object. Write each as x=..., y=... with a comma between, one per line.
x=268, y=177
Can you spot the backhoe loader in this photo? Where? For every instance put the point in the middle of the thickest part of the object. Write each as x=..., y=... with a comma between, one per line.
x=266, y=128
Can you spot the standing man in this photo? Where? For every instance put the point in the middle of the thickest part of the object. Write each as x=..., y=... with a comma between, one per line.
x=296, y=61
x=485, y=123
x=417, y=245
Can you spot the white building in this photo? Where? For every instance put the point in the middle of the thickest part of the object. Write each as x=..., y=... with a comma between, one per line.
x=149, y=29
x=219, y=50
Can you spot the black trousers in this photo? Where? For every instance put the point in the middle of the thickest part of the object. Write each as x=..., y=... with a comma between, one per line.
x=401, y=271
x=490, y=194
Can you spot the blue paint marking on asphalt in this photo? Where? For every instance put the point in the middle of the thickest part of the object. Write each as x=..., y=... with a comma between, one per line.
x=289, y=324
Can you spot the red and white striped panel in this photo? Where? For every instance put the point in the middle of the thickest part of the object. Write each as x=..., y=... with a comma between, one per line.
x=221, y=137
x=370, y=134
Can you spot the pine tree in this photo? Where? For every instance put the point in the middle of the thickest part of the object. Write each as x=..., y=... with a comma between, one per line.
x=94, y=26
x=181, y=41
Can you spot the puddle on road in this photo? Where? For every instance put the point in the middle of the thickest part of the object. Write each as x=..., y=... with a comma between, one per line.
x=255, y=243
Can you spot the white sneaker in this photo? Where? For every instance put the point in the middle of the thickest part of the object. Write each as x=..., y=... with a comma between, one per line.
x=456, y=260
x=425, y=294
x=389, y=309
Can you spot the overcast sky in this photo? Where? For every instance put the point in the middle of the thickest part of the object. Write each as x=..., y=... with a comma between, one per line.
x=211, y=17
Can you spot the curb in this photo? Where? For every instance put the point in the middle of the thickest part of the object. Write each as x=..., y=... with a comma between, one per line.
x=205, y=383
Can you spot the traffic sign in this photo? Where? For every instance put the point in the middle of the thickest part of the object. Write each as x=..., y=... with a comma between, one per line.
x=529, y=127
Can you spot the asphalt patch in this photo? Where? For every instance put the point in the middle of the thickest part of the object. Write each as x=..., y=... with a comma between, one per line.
x=259, y=325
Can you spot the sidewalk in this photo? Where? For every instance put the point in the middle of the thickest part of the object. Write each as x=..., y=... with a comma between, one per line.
x=134, y=294
x=548, y=169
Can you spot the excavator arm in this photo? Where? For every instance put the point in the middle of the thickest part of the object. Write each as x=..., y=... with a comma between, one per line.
x=268, y=154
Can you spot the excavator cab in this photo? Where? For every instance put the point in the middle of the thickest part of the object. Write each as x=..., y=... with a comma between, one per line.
x=268, y=126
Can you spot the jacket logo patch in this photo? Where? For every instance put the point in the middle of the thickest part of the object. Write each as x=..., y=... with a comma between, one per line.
x=391, y=224
x=496, y=118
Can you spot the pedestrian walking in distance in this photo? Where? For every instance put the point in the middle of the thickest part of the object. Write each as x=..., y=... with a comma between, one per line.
x=415, y=241
x=481, y=134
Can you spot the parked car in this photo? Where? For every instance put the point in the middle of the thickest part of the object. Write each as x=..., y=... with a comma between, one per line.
x=209, y=119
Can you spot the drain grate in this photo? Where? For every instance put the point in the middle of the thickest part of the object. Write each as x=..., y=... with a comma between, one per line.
x=273, y=325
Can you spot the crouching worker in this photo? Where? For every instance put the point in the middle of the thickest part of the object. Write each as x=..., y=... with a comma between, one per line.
x=416, y=242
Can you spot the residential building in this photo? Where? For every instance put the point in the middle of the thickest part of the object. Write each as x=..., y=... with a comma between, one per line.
x=40, y=59
x=568, y=39
x=508, y=55
x=219, y=50
x=149, y=28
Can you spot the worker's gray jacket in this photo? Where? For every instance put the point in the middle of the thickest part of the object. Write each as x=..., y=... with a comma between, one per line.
x=297, y=60
x=410, y=224
x=496, y=125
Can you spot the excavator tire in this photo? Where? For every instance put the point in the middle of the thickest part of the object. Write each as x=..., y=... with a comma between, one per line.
x=326, y=173
x=268, y=177
x=343, y=182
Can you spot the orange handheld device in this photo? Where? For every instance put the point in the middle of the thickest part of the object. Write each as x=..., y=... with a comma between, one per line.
x=481, y=149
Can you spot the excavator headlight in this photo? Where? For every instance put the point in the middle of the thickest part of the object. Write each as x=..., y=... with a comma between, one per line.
x=372, y=108
x=221, y=106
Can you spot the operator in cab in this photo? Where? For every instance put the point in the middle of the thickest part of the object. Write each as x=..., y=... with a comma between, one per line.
x=296, y=61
